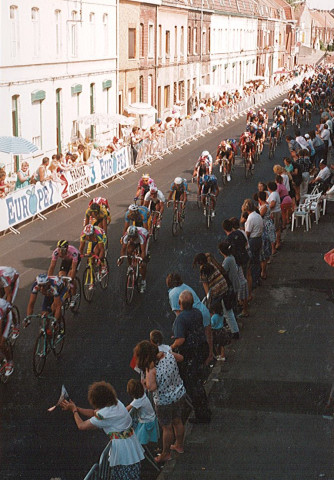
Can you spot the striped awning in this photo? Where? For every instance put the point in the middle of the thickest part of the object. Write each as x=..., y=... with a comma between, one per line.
x=16, y=145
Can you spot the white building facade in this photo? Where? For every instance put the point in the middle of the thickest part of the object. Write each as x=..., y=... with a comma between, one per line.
x=57, y=63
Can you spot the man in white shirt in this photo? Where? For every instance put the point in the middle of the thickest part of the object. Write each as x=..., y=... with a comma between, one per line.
x=301, y=140
x=254, y=230
x=326, y=137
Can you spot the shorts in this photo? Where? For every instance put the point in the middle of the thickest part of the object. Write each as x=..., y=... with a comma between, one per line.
x=277, y=219
x=178, y=194
x=66, y=265
x=167, y=413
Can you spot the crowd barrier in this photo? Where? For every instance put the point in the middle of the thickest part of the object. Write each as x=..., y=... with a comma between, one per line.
x=191, y=129
x=30, y=202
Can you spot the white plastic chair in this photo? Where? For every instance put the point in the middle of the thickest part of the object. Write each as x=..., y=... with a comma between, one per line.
x=303, y=212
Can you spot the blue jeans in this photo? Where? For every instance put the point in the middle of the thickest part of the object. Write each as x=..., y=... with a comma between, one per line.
x=230, y=319
x=255, y=245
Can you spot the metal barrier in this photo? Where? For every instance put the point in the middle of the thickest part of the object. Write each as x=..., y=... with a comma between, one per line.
x=191, y=129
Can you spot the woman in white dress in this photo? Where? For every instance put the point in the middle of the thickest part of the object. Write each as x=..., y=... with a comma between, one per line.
x=109, y=414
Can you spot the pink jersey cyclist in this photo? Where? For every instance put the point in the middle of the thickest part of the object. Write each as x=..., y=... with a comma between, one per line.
x=9, y=282
x=72, y=255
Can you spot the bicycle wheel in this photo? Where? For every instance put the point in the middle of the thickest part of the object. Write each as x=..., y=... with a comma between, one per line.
x=251, y=170
x=88, y=284
x=155, y=232
x=58, y=337
x=77, y=297
x=105, y=277
x=208, y=216
x=175, y=223
x=199, y=203
x=129, y=285
x=39, y=355
x=246, y=169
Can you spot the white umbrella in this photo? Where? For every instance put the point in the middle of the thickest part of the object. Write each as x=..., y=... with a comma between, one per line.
x=16, y=145
x=104, y=119
x=141, y=108
x=209, y=88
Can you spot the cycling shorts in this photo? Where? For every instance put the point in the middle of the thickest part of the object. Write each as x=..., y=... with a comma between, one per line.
x=66, y=264
x=48, y=300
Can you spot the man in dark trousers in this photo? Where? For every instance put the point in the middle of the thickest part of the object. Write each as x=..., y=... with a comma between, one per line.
x=190, y=341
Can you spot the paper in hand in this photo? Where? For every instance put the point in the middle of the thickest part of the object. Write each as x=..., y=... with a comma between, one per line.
x=63, y=396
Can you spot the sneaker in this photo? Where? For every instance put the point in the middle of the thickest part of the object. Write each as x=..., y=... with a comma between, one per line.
x=213, y=214
x=228, y=177
x=9, y=368
x=143, y=286
x=15, y=333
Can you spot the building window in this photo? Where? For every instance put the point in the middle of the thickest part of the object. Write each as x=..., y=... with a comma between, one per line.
x=175, y=42
x=35, y=30
x=182, y=42
x=167, y=43
x=132, y=43
x=151, y=41
x=181, y=91
x=195, y=40
x=73, y=34
x=92, y=32
x=149, y=90
x=160, y=41
x=167, y=96
x=105, y=21
x=131, y=95
x=58, y=32
x=175, y=93
x=141, y=40
x=14, y=30
x=141, y=88
x=189, y=40
x=36, y=123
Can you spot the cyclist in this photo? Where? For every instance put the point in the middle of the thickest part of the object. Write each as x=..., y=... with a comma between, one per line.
x=155, y=201
x=9, y=283
x=136, y=237
x=205, y=154
x=103, y=202
x=137, y=215
x=70, y=261
x=143, y=186
x=202, y=167
x=226, y=152
x=248, y=150
x=53, y=289
x=179, y=188
x=97, y=215
x=96, y=239
x=260, y=135
x=209, y=184
x=5, y=325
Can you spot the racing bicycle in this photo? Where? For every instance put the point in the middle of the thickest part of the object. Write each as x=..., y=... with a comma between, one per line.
x=178, y=217
x=94, y=275
x=208, y=208
x=133, y=275
x=51, y=336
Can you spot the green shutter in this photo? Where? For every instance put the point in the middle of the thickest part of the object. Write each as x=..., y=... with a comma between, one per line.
x=77, y=88
x=106, y=84
x=38, y=95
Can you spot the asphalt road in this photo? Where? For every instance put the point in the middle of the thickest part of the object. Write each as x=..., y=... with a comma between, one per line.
x=35, y=444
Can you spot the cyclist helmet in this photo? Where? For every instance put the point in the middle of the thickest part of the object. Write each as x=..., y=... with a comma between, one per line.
x=145, y=176
x=88, y=230
x=133, y=207
x=95, y=207
x=42, y=279
x=153, y=189
x=62, y=244
x=206, y=178
x=132, y=231
x=178, y=181
x=205, y=153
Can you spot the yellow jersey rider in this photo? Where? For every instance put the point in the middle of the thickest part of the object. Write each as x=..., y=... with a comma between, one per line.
x=96, y=239
x=136, y=215
x=97, y=215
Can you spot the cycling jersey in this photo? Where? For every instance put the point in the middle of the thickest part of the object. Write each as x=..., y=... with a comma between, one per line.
x=140, y=239
x=100, y=236
x=8, y=276
x=272, y=132
x=55, y=289
x=100, y=201
x=259, y=134
x=142, y=216
x=159, y=198
x=72, y=254
x=102, y=215
x=145, y=186
x=179, y=188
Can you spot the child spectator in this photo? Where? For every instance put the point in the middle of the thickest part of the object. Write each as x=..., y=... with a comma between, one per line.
x=3, y=184
x=156, y=338
x=147, y=429
x=220, y=336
